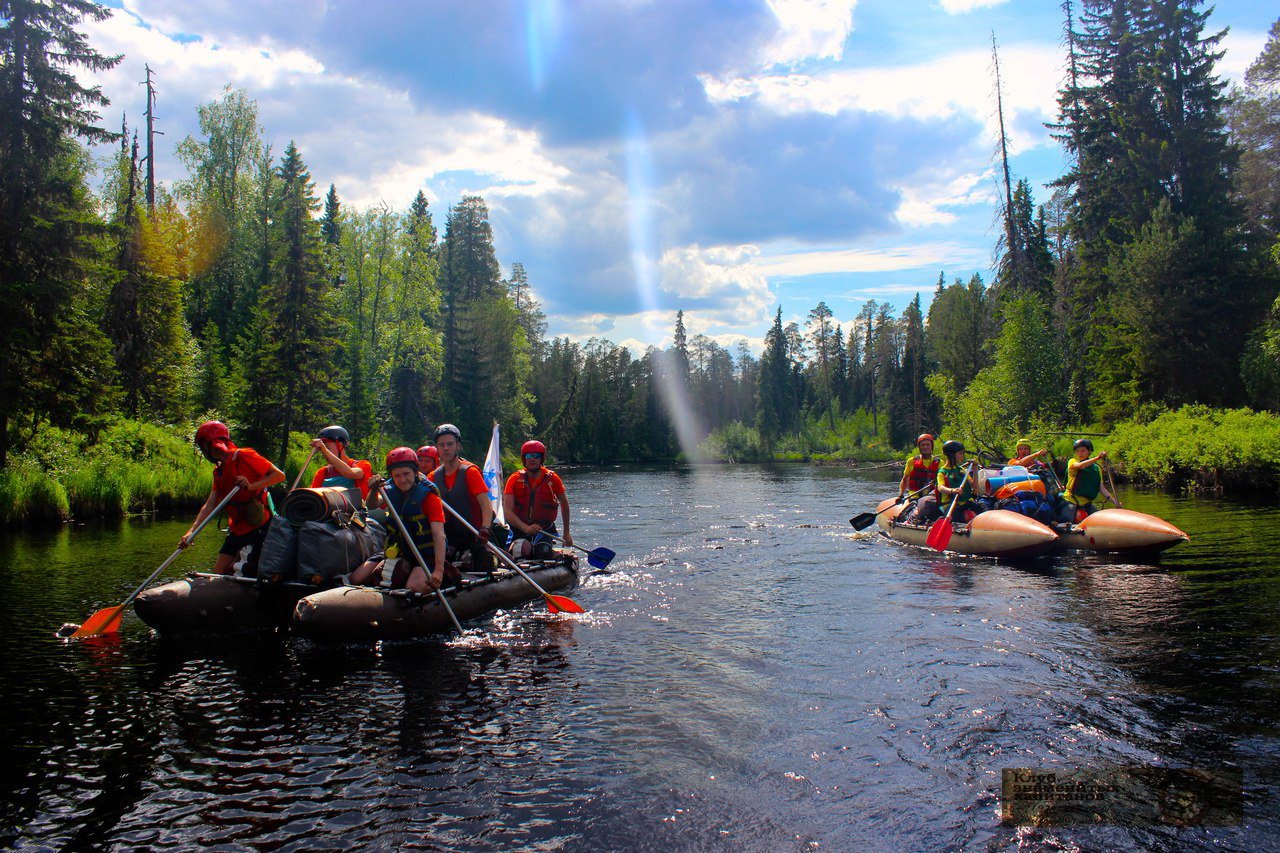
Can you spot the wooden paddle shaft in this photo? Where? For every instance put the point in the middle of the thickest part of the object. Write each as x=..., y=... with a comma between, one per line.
x=194, y=533
x=502, y=555
x=303, y=469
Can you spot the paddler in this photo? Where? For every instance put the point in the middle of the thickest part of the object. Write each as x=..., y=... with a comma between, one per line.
x=953, y=484
x=1084, y=484
x=418, y=504
x=462, y=487
x=922, y=468
x=247, y=512
x=428, y=459
x=531, y=500
x=342, y=470
x=1023, y=456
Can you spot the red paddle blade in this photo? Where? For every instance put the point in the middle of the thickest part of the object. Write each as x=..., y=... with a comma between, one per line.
x=939, y=534
x=561, y=604
x=105, y=621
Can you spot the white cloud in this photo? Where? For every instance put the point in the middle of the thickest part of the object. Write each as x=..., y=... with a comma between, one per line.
x=371, y=140
x=1242, y=48
x=838, y=260
x=923, y=203
x=809, y=29
x=955, y=85
x=956, y=7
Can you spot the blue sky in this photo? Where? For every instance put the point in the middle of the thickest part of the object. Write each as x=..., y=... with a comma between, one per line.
x=723, y=158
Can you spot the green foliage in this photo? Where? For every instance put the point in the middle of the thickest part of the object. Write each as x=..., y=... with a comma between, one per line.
x=1199, y=447
x=733, y=442
x=132, y=466
x=1260, y=367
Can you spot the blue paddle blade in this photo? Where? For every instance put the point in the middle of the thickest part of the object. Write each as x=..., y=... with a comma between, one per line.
x=600, y=557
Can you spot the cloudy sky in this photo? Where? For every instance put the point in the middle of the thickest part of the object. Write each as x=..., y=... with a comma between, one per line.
x=720, y=156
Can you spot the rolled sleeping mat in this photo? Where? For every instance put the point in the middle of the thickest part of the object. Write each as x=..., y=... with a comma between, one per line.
x=303, y=505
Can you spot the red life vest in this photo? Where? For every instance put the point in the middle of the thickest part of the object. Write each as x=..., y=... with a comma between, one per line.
x=542, y=504
x=922, y=474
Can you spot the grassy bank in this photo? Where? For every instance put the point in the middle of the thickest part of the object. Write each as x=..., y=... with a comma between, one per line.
x=133, y=467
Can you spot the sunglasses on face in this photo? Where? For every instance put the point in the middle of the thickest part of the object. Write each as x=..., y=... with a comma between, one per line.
x=533, y=456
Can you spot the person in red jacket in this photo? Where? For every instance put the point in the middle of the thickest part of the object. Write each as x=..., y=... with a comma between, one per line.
x=428, y=459
x=247, y=512
x=342, y=470
x=531, y=500
x=417, y=503
x=463, y=488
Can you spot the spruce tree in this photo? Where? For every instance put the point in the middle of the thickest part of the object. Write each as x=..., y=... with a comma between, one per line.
x=295, y=382
x=54, y=358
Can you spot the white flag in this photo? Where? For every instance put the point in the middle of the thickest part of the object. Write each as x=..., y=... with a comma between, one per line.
x=493, y=475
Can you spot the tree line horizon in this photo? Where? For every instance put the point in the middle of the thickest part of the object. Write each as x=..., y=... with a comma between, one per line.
x=1147, y=281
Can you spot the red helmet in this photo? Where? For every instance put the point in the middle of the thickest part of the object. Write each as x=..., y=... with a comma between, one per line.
x=428, y=453
x=211, y=432
x=533, y=447
x=924, y=436
x=402, y=456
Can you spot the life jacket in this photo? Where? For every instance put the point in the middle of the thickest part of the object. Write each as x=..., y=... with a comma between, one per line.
x=462, y=502
x=542, y=504
x=922, y=474
x=409, y=506
x=1083, y=484
x=952, y=477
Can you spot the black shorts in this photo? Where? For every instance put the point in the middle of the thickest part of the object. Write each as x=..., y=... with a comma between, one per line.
x=247, y=549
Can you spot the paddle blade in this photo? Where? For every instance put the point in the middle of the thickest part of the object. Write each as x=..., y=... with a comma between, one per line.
x=562, y=604
x=939, y=534
x=863, y=520
x=105, y=621
x=600, y=557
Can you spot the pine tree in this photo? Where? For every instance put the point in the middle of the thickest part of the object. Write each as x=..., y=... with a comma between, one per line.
x=144, y=319
x=295, y=381
x=54, y=358
x=774, y=400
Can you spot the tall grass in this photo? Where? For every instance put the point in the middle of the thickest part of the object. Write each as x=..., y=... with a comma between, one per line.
x=134, y=467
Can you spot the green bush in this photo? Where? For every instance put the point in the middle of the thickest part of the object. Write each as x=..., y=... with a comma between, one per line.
x=134, y=467
x=1197, y=447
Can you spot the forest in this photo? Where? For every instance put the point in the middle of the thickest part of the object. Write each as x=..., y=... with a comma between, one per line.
x=1138, y=299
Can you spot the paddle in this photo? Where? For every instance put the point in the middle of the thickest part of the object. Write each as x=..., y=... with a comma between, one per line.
x=555, y=603
x=413, y=548
x=598, y=557
x=302, y=470
x=107, y=620
x=940, y=533
x=863, y=520
x=1111, y=481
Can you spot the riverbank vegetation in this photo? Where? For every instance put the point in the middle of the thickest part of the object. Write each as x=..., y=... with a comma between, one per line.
x=1145, y=284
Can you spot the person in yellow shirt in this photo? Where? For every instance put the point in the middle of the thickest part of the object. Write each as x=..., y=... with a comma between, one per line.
x=1084, y=483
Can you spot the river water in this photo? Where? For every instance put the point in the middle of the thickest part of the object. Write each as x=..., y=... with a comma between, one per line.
x=751, y=675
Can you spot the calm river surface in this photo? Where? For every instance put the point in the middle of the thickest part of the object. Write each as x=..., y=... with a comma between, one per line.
x=751, y=675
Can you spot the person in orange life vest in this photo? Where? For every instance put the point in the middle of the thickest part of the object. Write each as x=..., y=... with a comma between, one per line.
x=531, y=499
x=428, y=460
x=921, y=469
x=462, y=487
x=1084, y=483
x=418, y=504
x=1023, y=456
x=247, y=512
x=342, y=470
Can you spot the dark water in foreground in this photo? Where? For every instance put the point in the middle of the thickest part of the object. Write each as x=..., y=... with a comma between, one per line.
x=750, y=676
